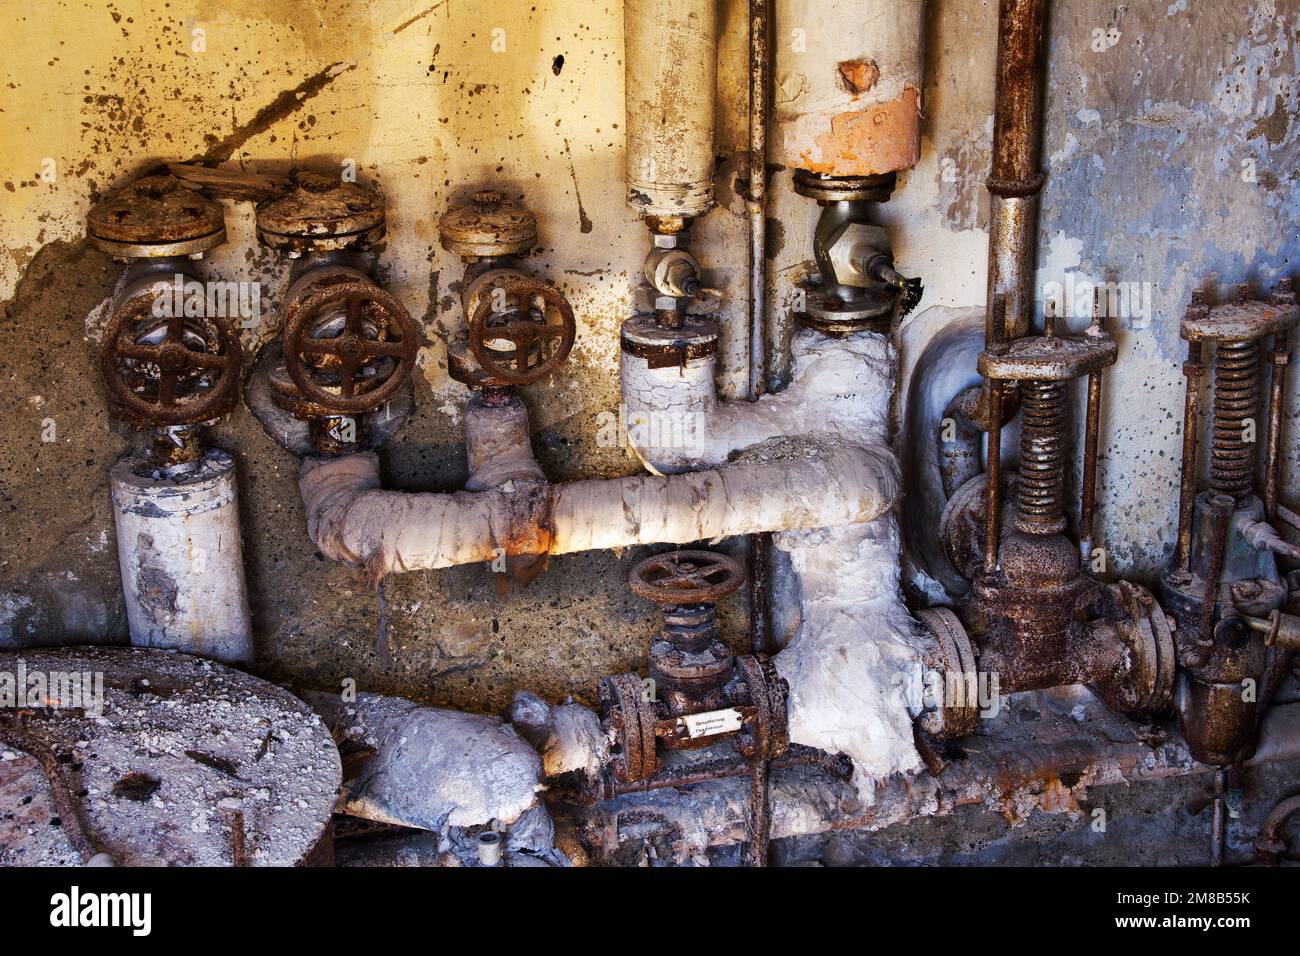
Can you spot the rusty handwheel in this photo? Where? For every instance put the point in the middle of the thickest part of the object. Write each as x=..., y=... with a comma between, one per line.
x=170, y=370
x=769, y=734
x=369, y=355
x=686, y=577
x=520, y=329
x=630, y=719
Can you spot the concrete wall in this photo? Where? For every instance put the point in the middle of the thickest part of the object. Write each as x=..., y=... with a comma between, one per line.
x=1147, y=137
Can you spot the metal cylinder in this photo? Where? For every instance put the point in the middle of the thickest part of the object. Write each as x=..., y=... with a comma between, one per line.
x=670, y=48
x=1236, y=407
x=847, y=95
x=1016, y=176
x=179, y=548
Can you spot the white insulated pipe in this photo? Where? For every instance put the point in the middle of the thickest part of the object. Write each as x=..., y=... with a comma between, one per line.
x=796, y=483
x=182, y=560
x=848, y=85
x=670, y=53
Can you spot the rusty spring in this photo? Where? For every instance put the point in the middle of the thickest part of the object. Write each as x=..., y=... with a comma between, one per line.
x=1041, y=485
x=1236, y=400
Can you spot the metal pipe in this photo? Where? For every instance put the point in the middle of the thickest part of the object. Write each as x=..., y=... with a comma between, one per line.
x=1092, y=427
x=1278, y=358
x=1016, y=177
x=995, y=337
x=1193, y=370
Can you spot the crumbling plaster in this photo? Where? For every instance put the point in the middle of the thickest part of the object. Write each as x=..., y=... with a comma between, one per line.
x=1146, y=139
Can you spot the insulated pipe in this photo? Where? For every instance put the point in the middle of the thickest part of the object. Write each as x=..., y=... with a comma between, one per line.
x=792, y=484
x=1016, y=177
x=848, y=86
x=670, y=49
x=179, y=547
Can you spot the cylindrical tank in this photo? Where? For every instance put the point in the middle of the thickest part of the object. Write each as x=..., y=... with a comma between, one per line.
x=182, y=561
x=670, y=52
x=847, y=96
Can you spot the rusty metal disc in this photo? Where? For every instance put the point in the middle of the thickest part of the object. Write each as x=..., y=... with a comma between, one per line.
x=630, y=720
x=1148, y=677
x=520, y=328
x=686, y=577
x=488, y=225
x=377, y=336
x=169, y=370
x=168, y=759
x=321, y=213
x=153, y=217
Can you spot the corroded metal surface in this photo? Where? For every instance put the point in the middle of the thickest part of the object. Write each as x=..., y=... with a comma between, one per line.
x=183, y=748
x=488, y=225
x=321, y=213
x=521, y=329
x=156, y=216
x=1050, y=358
x=367, y=358
x=686, y=577
x=1243, y=319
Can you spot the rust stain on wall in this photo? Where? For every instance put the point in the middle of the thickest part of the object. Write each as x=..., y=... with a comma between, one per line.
x=867, y=142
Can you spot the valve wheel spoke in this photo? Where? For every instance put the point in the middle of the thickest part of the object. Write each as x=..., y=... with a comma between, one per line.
x=681, y=577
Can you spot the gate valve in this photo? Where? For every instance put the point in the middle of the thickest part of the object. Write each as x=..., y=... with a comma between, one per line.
x=520, y=328
x=698, y=693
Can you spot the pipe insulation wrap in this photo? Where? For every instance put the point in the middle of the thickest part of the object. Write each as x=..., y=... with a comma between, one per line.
x=182, y=562
x=781, y=484
x=840, y=388
x=670, y=52
x=848, y=85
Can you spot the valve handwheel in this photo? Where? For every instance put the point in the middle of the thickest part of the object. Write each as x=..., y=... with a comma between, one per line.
x=686, y=577
x=371, y=317
x=170, y=371
x=525, y=338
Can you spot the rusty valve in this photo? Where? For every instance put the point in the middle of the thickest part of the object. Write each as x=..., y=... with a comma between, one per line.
x=348, y=345
x=520, y=328
x=698, y=692
x=170, y=370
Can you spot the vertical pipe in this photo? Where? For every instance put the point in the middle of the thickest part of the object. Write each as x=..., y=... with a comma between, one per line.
x=1092, y=426
x=995, y=338
x=670, y=50
x=1278, y=358
x=1016, y=177
x=1193, y=370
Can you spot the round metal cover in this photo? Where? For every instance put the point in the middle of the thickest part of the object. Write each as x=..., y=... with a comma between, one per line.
x=155, y=216
x=321, y=213
x=158, y=759
x=488, y=225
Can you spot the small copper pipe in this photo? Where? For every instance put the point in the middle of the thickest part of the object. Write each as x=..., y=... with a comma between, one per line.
x=1278, y=357
x=1193, y=370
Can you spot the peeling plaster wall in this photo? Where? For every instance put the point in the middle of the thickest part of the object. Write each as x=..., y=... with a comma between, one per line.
x=1147, y=139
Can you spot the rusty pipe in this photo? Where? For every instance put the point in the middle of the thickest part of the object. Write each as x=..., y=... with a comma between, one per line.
x=1278, y=358
x=1016, y=178
x=1194, y=371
